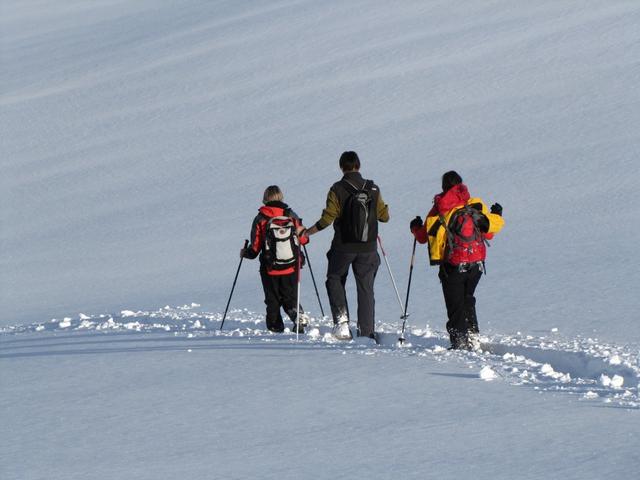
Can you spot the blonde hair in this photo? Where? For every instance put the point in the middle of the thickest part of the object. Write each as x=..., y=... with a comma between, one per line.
x=272, y=194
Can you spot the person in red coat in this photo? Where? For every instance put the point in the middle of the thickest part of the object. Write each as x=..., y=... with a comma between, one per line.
x=457, y=229
x=279, y=258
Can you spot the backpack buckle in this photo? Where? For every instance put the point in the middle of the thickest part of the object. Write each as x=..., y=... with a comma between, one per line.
x=465, y=267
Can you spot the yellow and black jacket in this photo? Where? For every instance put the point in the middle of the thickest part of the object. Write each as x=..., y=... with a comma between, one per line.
x=332, y=213
x=444, y=206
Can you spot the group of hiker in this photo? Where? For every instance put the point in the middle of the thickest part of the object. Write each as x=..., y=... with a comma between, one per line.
x=456, y=230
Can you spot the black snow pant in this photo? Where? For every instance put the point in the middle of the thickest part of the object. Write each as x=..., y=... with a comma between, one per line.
x=365, y=266
x=458, y=289
x=280, y=291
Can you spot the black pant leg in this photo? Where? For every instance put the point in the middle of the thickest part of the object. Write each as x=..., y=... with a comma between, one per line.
x=453, y=289
x=473, y=277
x=337, y=270
x=272, y=301
x=289, y=295
x=365, y=268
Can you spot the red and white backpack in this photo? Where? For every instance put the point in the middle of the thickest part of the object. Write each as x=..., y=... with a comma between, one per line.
x=281, y=245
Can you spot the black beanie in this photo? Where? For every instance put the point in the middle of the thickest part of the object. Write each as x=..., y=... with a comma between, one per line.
x=450, y=179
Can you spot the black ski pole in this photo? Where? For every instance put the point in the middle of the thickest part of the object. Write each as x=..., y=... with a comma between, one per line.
x=314, y=279
x=406, y=302
x=246, y=244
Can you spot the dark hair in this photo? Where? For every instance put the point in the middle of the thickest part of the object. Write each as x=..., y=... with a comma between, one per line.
x=349, y=161
x=450, y=179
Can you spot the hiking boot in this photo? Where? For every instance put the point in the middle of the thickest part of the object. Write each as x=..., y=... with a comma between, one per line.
x=341, y=331
x=459, y=341
x=295, y=327
x=459, y=345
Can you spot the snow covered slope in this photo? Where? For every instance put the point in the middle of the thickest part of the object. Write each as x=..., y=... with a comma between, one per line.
x=98, y=399
x=138, y=137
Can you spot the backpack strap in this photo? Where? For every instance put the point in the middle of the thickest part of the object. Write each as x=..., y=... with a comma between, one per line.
x=356, y=189
x=449, y=233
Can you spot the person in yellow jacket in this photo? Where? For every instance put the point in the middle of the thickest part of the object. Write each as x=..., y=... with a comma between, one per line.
x=457, y=229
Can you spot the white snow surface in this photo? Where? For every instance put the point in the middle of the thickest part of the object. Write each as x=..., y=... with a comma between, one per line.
x=137, y=138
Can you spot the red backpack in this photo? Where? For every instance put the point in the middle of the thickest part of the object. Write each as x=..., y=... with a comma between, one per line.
x=465, y=241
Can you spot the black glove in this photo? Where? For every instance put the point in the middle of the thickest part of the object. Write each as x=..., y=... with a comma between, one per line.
x=496, y=208
x=416, y=223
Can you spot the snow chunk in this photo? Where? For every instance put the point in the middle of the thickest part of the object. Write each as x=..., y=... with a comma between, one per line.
x=313, y=333
x=127, y=313
x=512, y=357
x=615, y=360
x=65, y=323
x=547, y=370
x=329, y=338
x=107, y=325
x=488, y=374
x=591, y=395
x=85, y=324
x=617, y=381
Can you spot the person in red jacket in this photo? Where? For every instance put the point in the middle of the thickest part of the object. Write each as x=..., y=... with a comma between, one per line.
x=456, y=230
x=275, y=237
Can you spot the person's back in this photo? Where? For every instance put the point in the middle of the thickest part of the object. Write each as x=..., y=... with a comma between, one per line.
x=274, y=237
x=354, y=206
x=456, y=229
x=360, y=206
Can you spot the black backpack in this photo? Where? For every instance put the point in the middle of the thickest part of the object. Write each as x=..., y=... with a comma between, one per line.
x=359, y=219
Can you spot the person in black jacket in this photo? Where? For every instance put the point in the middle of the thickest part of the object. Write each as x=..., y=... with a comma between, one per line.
x=354, y=206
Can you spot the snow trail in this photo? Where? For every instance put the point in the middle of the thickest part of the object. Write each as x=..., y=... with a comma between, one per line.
x=583, y=367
